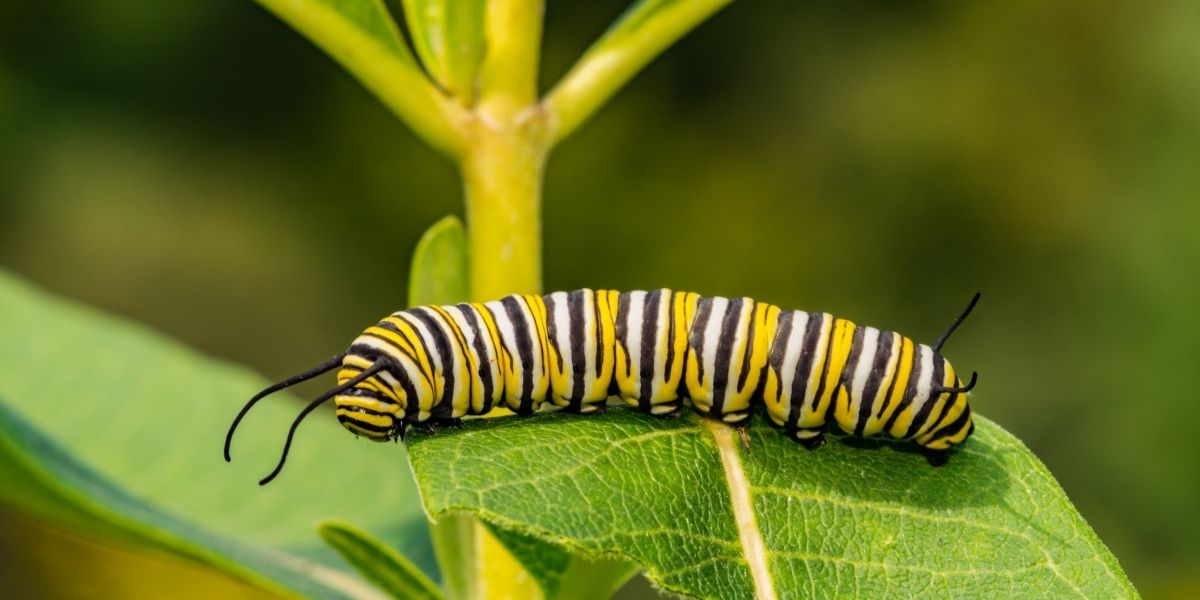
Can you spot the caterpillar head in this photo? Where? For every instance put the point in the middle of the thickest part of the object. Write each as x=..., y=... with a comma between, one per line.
x=373, y=405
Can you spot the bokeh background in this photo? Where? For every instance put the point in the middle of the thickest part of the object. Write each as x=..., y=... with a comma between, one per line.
x=199, y=167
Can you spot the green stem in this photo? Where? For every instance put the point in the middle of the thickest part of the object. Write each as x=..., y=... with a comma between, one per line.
x=508, y=75
x=502, y=173
x=641, y=34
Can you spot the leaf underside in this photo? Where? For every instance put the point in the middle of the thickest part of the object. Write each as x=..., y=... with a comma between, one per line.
x=857, y=518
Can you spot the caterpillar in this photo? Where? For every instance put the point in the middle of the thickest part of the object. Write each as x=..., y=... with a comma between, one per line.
x=436, y=364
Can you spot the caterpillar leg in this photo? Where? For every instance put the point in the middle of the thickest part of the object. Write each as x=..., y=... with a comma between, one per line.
x=936, y=458
x=667, y=410
x=811, y=439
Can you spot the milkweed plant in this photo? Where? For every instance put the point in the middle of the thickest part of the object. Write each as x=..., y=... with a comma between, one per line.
x=551, y=506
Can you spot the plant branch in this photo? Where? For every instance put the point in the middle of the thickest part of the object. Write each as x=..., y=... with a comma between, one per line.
x=641, y=34
x=513, y=40
x=370, y=47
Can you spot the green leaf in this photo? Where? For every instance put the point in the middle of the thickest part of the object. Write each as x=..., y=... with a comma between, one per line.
x=561, y=574
x=362, y=37
x=857, y=518
x=448, y=36
x=387, y=568
x=439, y=265
x=44, y=481
x=116, y=431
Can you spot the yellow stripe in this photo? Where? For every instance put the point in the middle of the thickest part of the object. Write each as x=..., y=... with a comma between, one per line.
x=349, y=372
x=376, y=420
x=843, y=338
x=900, y=378
x=605, y=300
x=368, y=403
x=930, y=427
x=417, y=346
x=502, y=357
x=537, y=308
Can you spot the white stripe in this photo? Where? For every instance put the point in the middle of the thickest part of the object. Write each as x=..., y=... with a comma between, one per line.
x=712, y=336
x=589, y=341
x=633, y=338
x=925, y=383
x=662, y=320
x=562, y=340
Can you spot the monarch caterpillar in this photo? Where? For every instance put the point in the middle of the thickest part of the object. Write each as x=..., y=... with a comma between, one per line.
x=436, y=364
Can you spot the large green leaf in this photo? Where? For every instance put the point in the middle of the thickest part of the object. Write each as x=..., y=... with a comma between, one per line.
x=704, y=517
x=114, y=430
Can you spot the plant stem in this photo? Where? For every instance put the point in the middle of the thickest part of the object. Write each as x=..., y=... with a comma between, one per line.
x=638, y=37
x=502, y=166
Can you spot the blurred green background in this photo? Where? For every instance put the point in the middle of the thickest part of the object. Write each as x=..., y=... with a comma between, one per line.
x=199, y=167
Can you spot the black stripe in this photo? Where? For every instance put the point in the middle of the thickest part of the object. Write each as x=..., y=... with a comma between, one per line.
x=923, y=414
x=441, y=407
x=388, y=325
x=887, y=397
x=502, y=355
x=482, y=369
x=622, y=329
x=552, y=332
x=883, y=355
x=910, y=390
x=598, y=323
x=649, y=347
x=808, y=353
x=363, y=424
x=460, y=341
x=783, y=330
x=828, y=358
x=947, y=404
x=524, y=345
x=749, y=351
x=411, y=399
x=856, y=352
x=696, y=335
x=721, y=362
x=371, y=354
x=575, y=318
x=954, y=427
x=358, y=392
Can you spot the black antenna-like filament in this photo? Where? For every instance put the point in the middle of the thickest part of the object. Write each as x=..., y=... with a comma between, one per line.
x=937, y=347
x=958, y=390
x=290, y=381
x=371, y=370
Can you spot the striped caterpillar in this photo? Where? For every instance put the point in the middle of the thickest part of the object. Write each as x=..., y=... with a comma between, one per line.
x=436, y=364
